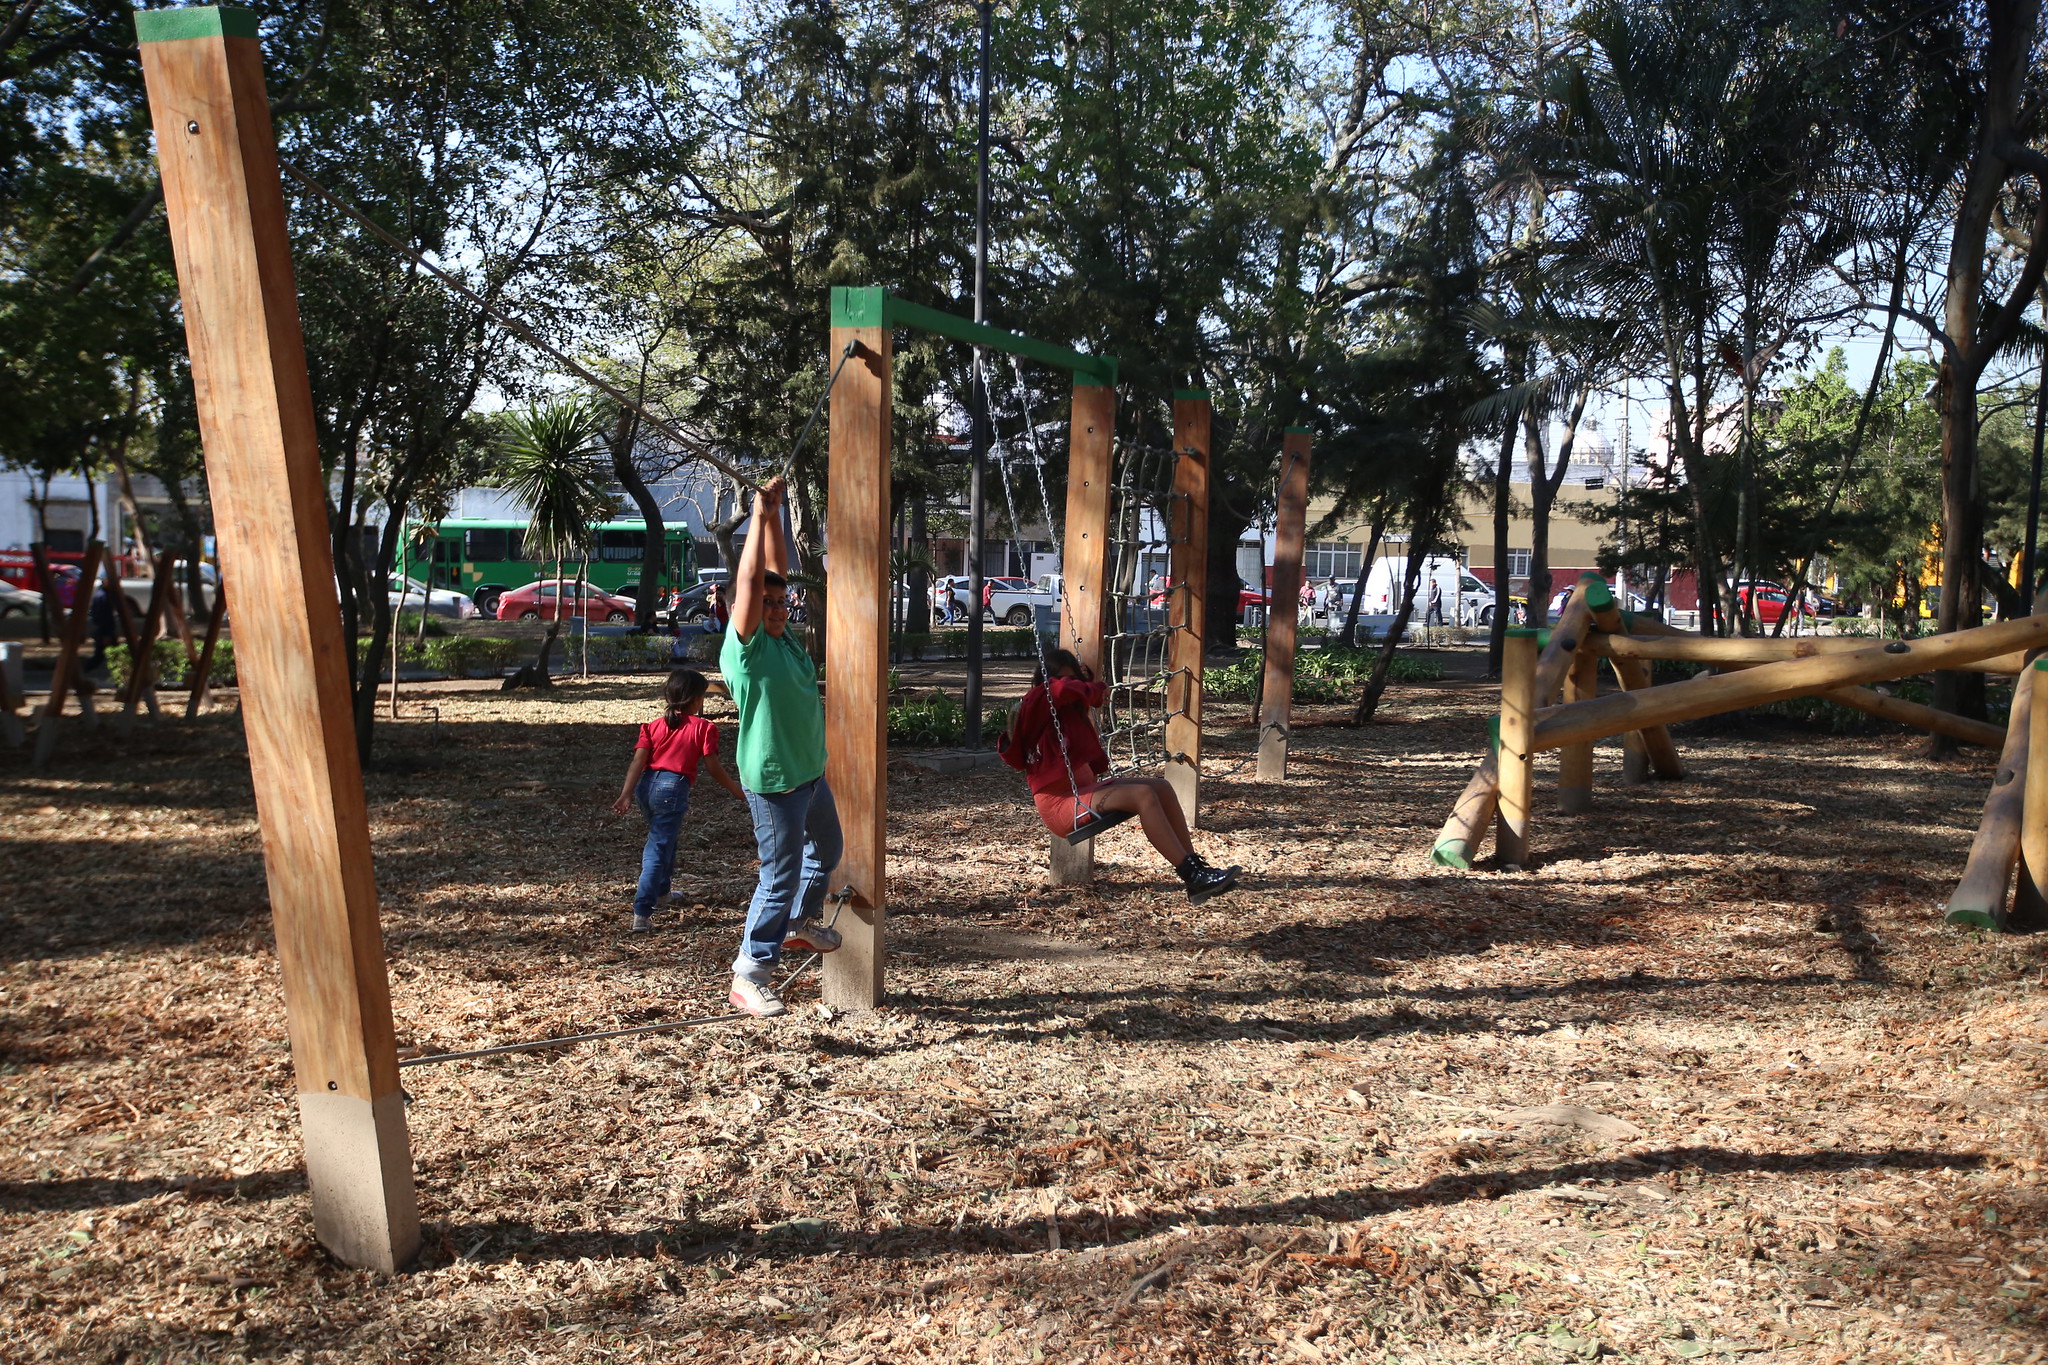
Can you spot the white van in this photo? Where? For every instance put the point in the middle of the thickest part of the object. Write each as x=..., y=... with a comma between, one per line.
x=1465, y=597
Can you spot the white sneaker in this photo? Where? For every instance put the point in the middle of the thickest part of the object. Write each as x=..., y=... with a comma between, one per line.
x=756, y=998
x=807, y=937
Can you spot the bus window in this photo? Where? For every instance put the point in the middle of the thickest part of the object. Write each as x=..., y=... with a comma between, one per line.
x=487, y=546
x=620, y=547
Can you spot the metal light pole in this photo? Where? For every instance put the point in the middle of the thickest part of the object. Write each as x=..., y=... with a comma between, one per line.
x=978, y=388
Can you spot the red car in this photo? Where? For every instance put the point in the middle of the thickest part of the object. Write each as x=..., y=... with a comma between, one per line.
x=1770, y=603
x=544, y=600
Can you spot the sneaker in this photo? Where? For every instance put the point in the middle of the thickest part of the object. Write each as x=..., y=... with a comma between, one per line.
x=641, y=922
x=807, y=937
x=756, y=998
x=1204, y=881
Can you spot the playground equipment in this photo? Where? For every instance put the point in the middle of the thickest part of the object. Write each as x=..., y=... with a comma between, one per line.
x=222, y=197
x=2014, y=828
x=1283, y=620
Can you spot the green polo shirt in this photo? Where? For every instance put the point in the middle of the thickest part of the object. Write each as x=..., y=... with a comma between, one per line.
x=782, y=717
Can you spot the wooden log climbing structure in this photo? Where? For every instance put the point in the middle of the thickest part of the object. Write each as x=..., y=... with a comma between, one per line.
x=2012, y=833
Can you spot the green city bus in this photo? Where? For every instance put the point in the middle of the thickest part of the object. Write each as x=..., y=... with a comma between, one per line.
x=487, y=558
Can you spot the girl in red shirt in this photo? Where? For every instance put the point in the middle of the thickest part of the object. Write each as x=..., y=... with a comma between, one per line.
x=664, y=767
x=1052, y=740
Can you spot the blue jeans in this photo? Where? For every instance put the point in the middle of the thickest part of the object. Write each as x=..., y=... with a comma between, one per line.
x=664, y=798
x=797, y=836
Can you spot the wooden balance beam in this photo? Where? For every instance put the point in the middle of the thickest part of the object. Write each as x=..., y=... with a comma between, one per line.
x=1644, y=642
x=1979, y=899
x=1711, y=694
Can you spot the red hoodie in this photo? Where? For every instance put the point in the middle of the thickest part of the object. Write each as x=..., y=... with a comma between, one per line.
x=1034, y=748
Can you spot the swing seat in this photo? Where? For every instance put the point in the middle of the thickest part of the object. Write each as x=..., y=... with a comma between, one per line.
x=1097, y=822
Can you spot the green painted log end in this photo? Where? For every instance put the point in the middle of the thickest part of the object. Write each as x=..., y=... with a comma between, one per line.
x=1452, y=853
x=1598, y=595
x=1972, y=917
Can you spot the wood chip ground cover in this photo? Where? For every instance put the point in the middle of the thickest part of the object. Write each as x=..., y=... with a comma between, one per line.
x=1712, y=1082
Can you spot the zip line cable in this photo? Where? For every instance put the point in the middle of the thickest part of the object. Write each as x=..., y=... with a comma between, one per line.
x=525, y=333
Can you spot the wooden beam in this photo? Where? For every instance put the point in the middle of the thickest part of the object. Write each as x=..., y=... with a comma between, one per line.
x=203, y=670
x=1913, y=713
x=1689, y=648
x=1710, y=694
x=67, y=677
x=1283, y=613
x=1084, y=569
x=203, y=69
x=1516, y=754
x=1575, y=761
x=1979, y=899
x=857, y=657
x=1457, y=843
x=1188, y=560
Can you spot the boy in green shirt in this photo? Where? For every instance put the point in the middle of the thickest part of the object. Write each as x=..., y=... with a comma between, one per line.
x=781, y=763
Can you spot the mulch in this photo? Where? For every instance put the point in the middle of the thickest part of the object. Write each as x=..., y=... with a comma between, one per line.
x=1713, y=1081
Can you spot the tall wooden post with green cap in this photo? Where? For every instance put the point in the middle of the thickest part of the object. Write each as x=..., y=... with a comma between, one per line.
x=857, y=639
x=1283, y=612
x=1084, y=565
x=204, y=73
x=1188, y=566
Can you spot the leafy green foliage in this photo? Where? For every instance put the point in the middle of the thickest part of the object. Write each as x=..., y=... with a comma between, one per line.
x=1321, y=676
x=932, y=719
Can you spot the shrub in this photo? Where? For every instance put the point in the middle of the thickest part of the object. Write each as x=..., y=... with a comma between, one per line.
x=934, y=718
x=172, y=667
x=1320, y=675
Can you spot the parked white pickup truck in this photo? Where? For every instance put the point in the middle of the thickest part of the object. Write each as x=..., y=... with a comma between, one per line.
x=137, y=590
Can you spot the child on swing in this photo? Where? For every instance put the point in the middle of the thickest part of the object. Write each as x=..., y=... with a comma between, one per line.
x=1065, y=779
x=664, y=768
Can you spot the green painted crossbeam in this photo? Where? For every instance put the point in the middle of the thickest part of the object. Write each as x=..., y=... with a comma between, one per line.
x=874, y=306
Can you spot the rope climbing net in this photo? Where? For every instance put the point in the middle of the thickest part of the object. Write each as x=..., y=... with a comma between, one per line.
x=1146, y=518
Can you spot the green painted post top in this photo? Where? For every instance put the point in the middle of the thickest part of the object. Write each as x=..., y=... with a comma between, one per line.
x=1190, y=395
x=1296, y=431
x=1598, y=595
x=1523, y=633
x=1542, y=637
x=873, y=306
x=170, y=25
x=2041, y=664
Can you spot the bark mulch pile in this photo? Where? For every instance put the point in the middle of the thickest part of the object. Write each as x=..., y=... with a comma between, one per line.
x=1712, y=1082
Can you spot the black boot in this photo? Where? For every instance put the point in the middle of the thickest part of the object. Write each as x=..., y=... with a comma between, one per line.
x=1204, y=881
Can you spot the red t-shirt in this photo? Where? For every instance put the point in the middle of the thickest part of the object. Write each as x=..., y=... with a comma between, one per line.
x=680, y=748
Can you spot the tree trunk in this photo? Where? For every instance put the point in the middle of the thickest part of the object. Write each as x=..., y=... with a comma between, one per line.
x=919, y=606
x=1503, y=512
x=380, y=632
x=539, y=674
x=1349, y=639
x=1376, y=681
x=1544, y=483
x=1225, y=589
x=654, y=555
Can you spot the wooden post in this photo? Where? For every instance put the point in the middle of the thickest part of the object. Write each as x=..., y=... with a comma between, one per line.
x=67, y=677
x=204, y=668
x=204, y=72
x=857, y=641
x=142, y=663
x=1084, y=567
x=1188, y=562
x=1980, y=895
x=1283, y=613
x=1575, y=762
x=1457, y=843
x=2034, y=816
x=1641, y=750
x=1516, y=757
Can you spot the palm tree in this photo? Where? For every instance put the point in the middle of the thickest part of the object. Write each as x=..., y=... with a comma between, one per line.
x=552, y=458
